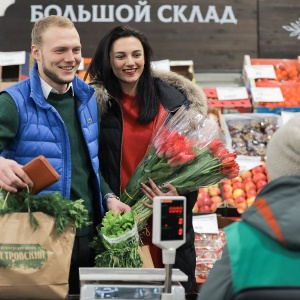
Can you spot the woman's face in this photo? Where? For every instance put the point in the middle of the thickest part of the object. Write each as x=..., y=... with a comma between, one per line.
x=127, y=61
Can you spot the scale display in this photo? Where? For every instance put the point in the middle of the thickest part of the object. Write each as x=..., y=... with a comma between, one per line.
x=172, y=220
x=169, y=221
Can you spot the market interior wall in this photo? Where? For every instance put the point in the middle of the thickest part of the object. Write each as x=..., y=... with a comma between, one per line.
x=229, y=29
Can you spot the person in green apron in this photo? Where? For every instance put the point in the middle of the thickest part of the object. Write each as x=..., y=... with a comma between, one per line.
x=263, y=249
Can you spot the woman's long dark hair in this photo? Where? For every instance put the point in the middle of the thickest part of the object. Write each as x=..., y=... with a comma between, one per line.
x=100, y=71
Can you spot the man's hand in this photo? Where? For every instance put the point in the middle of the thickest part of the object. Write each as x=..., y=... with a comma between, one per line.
x=154, y=190
x=12, y=176
x=116, y=205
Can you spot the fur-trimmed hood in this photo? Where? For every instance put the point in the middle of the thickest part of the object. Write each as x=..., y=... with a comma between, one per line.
x=190, y=90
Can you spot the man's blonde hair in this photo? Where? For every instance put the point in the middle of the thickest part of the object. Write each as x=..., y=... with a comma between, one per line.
x=43, y=24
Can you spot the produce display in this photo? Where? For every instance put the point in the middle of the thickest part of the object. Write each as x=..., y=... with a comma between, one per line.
x=246, y=134
x=208, y=200
x=287, y=73
x=240, y=192
x=290, y=93
x=249, y=133
x=236, y=193
x=209, y=248
x=286, y=70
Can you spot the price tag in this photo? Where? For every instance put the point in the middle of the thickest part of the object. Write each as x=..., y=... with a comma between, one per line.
x=232, y=93
x=207, y=223
x=272, y=94
x=260, y=71
x=12, y=58
x=248, y=162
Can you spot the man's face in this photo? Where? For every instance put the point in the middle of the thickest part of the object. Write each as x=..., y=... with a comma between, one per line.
x=58, y=57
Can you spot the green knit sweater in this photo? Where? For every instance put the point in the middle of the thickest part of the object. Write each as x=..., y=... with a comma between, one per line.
x=65, y=104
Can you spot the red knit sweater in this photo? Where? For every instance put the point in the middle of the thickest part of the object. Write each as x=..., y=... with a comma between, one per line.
x=136, y=138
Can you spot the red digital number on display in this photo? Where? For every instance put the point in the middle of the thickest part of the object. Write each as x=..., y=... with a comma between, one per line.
x=180, y=231
x=175, y=209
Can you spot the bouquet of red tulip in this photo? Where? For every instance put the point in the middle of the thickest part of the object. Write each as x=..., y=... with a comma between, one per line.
x=187, y=152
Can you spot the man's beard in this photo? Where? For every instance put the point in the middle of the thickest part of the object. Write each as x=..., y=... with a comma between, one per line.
x=55, y=78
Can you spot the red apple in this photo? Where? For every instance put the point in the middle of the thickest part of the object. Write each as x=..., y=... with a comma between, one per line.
x=241, y=207
x=227, y=188
x=250, y=200
x=236, y=179
x=238, y=192
x=214, y=191
x=237, y=185
x=239, y=199
x=216, y=199
x=227, y=195
x=203, y=189
x=259, y=176
x=246, y=174
x=204, y=209
x=203, y=194
x=251, y=193
x=214, y=206
x=250, y=186
x=260, y=184
x=247, y=179
x=195, y=208
x=204, y=202
x=258, y=169
x=227, y=181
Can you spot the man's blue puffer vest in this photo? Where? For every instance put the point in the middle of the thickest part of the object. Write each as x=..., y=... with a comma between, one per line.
x=42, y=131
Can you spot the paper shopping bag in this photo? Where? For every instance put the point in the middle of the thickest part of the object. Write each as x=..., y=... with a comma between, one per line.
x=34, y=263
x=146, y=256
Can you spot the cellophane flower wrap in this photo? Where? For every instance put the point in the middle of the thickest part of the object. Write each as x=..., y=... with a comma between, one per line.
x=188, y=152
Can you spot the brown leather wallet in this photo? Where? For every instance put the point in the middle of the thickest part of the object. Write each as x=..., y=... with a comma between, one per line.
x=41, y=173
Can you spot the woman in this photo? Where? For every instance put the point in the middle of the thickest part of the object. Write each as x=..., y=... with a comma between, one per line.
x=134, y=100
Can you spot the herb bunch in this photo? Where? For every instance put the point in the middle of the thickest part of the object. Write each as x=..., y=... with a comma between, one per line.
x=116, y=244
x=63, y=211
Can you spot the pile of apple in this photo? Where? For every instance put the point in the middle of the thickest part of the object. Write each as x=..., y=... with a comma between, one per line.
x=208, y=200
x=240, y=191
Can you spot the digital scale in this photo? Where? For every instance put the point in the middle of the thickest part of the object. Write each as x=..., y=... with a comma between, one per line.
x=168, y=232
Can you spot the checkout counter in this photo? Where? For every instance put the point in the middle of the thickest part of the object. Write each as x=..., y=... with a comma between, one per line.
x=169, y=222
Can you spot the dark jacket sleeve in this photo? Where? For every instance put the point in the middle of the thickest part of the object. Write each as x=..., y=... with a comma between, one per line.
x=218, y=285
x=105, y=189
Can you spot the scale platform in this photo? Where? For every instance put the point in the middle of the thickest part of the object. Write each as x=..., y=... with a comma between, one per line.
x=128, y=283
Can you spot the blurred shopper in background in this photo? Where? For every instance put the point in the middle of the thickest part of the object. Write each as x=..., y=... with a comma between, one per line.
x=133, y=100
x=55, y=114
x=265, y=246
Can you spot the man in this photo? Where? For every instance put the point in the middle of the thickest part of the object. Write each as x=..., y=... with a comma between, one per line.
x=265, y=246
x=55, y=114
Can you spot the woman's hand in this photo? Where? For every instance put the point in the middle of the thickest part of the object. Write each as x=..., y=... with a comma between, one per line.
x=154, y=190
x=117, y=206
